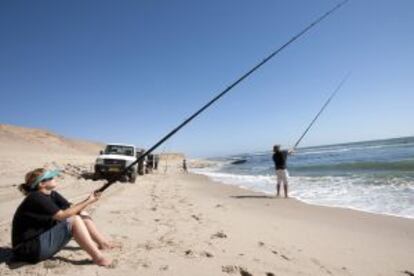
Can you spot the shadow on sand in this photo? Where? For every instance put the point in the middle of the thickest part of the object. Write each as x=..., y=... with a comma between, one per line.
x=88, y=176
x=73, y=262
x=6, y=256
x=71, y=248
x=91, y=176
x=253, y=196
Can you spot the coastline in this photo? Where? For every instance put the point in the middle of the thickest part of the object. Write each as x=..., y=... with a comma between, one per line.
x=240, y=186
x=187, y=224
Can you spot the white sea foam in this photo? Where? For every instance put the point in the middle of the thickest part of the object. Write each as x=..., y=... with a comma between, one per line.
x=339, y=149
x=394, y=197
x=374, y=176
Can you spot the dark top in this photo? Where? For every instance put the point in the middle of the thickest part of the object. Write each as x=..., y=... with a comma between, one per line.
x=33, y=217
x=279, y=158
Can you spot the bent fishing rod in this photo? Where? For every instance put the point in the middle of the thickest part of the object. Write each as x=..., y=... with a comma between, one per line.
x=322, y=109
x=225, y=91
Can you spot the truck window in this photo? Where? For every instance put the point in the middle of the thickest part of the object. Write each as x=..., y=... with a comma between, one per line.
x=121, y=150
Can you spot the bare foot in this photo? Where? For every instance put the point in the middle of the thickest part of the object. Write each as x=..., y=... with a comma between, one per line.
x=102, y=261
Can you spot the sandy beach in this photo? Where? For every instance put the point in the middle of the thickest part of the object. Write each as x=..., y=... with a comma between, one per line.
x=171, y=223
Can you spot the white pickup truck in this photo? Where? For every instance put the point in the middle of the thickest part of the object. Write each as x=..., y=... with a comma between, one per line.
x=114, y=159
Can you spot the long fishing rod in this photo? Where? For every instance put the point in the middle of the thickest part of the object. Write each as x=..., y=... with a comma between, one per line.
x=322, y=109
x=166, y=137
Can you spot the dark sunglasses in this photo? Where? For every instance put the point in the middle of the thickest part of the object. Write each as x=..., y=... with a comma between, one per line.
x=47, y=179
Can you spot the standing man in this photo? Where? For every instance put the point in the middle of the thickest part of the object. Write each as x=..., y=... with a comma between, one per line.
x=185, y=166
x=280, y=158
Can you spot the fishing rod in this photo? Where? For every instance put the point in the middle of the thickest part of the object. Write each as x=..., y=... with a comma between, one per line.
x=322, y=109
x=166, y=137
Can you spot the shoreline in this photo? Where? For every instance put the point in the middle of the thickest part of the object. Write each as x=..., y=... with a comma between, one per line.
x=303, y=201
x=246, y=187
x=188, y=224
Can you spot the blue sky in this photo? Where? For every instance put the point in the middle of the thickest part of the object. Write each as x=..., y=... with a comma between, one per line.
x=130, y=71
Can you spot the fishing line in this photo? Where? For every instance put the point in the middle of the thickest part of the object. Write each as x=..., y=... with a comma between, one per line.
x=322, y=109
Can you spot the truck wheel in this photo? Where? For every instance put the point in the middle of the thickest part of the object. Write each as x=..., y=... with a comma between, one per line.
x=133, y=177
x=141, y=168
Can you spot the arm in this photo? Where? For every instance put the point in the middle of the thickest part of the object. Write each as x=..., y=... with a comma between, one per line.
x=76, y=208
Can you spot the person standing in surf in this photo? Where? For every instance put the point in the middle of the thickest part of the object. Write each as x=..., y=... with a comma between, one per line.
x=280, y=160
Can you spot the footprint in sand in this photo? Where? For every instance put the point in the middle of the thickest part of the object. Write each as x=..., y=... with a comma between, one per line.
x=321, y=266
x=261, y=244
x=284, y=257
x=230, y=269
x=189, y=253
x=220, y=235
x=143, y=263
x=207, y=254
x=164, y=267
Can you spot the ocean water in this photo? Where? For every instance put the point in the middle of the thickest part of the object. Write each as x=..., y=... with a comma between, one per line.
x=374, y=176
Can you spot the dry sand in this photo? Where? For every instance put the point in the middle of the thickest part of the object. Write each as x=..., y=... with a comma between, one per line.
x=171, y=223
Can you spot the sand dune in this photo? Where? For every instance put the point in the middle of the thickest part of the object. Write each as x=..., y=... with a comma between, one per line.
x=38, y=140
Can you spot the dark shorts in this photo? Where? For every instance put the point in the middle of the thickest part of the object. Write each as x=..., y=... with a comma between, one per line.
x=54, y=239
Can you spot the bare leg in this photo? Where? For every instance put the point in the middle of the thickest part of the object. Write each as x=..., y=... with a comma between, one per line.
x=278, y=189
x=285, y=188
x=100, y=240
x=279, y=181
x=83, y=238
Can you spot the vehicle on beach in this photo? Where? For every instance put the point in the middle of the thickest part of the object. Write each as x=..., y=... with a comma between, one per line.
x=114, y=159
x=142, y=163
x=152, y=163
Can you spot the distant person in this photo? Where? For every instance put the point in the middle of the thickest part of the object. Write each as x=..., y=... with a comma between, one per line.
x=157, y=160
x=185, y=166
x=45, y=222
x=280, y=160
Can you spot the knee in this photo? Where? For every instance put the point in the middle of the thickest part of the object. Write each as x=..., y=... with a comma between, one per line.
x=76, y=219
x=84, y=213
x=85, y=216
